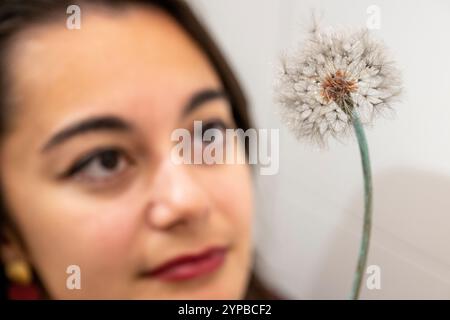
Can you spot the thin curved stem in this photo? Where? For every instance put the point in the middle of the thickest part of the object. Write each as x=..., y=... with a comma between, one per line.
x=364, y=249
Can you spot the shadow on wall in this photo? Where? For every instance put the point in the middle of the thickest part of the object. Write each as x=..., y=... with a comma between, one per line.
x=410, y=240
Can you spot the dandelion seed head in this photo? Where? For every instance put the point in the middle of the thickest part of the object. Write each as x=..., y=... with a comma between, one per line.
x=337, y=87
x=330, y=79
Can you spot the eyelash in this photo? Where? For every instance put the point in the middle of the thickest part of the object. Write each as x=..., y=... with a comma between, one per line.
x=90, y=158
x=218, y=124
x=215, y=124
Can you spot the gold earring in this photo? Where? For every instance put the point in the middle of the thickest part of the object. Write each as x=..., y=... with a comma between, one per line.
x=19, y=272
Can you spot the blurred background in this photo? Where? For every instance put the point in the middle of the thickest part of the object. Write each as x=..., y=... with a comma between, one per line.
x=309, y=215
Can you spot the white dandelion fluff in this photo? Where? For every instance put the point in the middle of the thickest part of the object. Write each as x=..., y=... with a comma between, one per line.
x=332, y=78
x=336, y=82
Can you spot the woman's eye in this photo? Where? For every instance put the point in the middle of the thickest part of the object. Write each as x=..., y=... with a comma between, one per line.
x=214, y=124
x=100, y=166
x=213, y=136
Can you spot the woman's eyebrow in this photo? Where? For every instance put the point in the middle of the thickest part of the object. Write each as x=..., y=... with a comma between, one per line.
x=102, y=123
x=99, y=123
x=202, y=97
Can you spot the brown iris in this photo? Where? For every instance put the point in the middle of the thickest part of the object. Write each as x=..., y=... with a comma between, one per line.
x=336, y=87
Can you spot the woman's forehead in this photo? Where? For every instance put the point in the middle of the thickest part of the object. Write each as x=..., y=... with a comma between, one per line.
x=115, y=61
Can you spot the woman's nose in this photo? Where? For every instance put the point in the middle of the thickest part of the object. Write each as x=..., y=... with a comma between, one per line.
x=177, y=198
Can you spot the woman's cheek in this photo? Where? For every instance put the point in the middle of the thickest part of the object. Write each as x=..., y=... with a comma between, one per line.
x=230, y=189
x=97, y=238
x=240, y=185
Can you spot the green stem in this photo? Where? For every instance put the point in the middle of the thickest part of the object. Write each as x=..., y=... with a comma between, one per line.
x=364, y=249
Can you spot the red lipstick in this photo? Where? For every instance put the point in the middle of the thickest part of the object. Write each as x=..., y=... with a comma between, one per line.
x=190, y=266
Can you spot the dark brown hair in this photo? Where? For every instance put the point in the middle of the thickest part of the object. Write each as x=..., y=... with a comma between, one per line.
x=15, y=15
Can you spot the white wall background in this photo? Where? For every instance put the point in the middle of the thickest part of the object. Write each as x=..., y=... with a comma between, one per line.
x=310, y=214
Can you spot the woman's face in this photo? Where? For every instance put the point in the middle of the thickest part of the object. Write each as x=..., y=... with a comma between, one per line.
x=87, y=172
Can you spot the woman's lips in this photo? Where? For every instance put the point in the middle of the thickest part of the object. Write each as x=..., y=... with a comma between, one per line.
x=190, y=266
